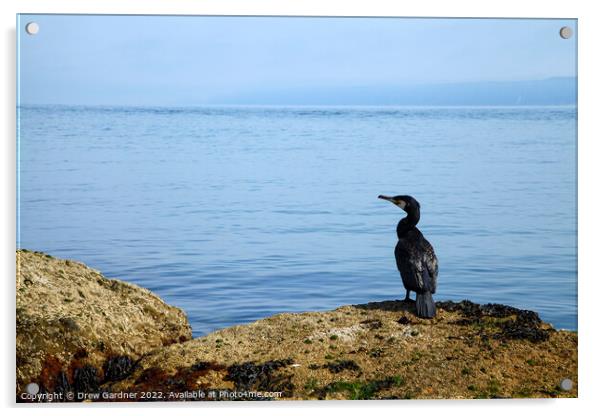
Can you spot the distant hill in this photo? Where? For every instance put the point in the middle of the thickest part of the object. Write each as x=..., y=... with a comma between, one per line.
x=551, y=91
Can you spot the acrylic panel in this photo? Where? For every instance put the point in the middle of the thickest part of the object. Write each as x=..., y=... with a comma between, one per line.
x=278, y=208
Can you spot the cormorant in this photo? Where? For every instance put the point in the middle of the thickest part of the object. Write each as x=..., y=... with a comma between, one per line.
x=415, y=257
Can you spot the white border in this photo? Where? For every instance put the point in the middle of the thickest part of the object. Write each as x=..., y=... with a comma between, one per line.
x=590, y=209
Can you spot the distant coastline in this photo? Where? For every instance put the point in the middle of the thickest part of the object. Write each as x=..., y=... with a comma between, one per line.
x=556, y=91
x=550, y=91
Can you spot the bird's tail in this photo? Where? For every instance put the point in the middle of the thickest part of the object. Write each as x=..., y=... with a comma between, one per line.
x=425, y=305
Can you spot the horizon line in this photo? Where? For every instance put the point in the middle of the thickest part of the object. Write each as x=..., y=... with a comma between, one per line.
x=98, y=105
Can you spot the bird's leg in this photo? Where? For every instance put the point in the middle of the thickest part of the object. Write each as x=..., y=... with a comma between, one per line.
x=407, y=299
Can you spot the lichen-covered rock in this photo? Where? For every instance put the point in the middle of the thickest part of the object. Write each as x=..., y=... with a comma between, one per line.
x=77, y=329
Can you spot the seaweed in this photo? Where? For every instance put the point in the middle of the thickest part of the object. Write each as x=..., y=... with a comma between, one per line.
x=61, y=385
x=202, y=366
x=118, y=367
x=403, y=320
x=372, y=323
x=261, y=377
x=522, y=329
x=341, y=365
x=526, y=324
x=86, y=380
x=155, y=379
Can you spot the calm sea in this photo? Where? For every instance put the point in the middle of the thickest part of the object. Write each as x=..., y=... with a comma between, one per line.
x=234, y=213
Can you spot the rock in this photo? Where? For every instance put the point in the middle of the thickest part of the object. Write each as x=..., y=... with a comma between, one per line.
x=467, y=351
x=77, y=329
x=122, y=340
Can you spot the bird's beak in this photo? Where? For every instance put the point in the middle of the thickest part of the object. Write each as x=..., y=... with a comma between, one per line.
x=386, y=198
x=400, y=204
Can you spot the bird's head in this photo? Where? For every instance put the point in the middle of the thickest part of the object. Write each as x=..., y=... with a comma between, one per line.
x=405, y=202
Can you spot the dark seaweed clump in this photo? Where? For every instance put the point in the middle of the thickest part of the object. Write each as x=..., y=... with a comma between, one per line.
x=85, y=380
x=403, y=320
x=117, y=368
x=261, y=377
x=249, y=377
x=526, y=325
x=202, y=366
x=341, y=365
x=495, y=310
x=62, y=385
x=185, y=379
x=372, y=323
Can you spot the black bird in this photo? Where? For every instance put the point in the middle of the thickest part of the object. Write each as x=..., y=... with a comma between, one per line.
x=415, y=257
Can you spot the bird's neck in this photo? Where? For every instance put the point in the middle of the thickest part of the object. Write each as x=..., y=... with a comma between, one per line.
x=407, y=223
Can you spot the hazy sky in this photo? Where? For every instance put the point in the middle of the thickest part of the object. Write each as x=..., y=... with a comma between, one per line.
x=144, y=60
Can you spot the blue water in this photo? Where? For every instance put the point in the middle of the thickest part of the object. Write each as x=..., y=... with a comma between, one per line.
x=234, y=214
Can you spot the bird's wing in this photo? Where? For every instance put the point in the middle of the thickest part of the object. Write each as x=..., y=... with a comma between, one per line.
x=402, y=255
x=410, y=265
x=432, y=265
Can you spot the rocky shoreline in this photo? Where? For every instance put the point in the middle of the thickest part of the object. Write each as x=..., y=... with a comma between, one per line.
x=83, y=337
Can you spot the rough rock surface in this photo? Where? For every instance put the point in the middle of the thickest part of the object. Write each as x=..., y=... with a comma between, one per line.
x=372, y=351
x=77, y=329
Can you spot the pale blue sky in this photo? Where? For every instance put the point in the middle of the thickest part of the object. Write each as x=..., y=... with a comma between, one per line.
x=177, y=60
